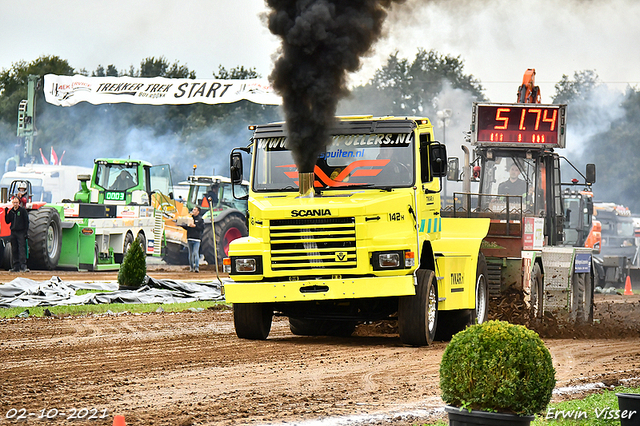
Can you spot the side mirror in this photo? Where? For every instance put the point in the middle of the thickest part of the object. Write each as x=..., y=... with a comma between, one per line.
x=438, y=157
x=591, y=173
x=235, y=167
x=454, y=169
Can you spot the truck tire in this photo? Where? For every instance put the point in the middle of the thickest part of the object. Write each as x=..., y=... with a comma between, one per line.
x=418, y=314
x=228, y=229
x=143, y=242
x=582, y=298
x=252, y=320
x=481, y=312
x=302, y=327
x=44, y=238
x=128, y=240
x=536, y=304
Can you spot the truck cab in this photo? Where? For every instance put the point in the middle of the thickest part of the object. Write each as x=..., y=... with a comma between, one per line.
x=359, y=237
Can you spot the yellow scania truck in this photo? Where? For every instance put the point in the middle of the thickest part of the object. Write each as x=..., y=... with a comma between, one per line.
x=359, y=239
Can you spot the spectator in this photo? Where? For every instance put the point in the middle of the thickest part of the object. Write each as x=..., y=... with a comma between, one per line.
x=22, y=193
x=18, y=218
x=194, y=235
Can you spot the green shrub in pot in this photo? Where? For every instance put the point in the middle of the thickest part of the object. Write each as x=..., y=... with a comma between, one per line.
x=497, y=367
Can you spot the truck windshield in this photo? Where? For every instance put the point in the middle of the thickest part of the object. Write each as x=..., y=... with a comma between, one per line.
x=116, y=177
x=350, y=162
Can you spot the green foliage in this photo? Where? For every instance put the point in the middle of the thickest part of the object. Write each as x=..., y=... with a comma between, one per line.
x=497, y=366
x=583, y=83
x=403, y=88
x=134, y=267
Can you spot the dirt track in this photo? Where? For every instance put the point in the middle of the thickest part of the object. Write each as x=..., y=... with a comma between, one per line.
x=191, y=369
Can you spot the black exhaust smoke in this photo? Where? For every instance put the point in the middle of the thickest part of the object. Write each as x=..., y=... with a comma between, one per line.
x=322, y=40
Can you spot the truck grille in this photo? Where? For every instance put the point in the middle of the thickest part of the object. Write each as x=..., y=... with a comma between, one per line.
x=319, y=243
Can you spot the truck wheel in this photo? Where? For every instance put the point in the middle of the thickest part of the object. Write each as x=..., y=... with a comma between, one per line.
x=418, y=315
x=143, y=242
x=481, y=312
x=582, y=298
x=128, y=240
x=536, y=303
x=252, y=320
x=301, y=327
x=45, y=238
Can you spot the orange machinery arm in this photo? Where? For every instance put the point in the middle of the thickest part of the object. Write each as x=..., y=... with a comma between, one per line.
x=529, y=93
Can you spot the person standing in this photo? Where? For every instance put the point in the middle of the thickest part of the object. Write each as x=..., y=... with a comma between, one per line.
x=194, y=236
x=18, y=218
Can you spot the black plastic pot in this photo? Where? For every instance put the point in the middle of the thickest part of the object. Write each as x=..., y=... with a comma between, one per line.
x=629, y=402
x=464, y=417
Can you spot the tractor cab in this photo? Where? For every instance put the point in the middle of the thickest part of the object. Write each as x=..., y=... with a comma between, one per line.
x=117, y=181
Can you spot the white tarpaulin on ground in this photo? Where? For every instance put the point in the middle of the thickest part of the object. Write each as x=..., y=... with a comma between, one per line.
x=65, y=90
x=23, y=292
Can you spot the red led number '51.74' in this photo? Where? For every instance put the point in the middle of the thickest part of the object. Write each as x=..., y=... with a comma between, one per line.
x=526, y=124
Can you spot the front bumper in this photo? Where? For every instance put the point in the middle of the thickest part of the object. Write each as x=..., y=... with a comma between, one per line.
x=323, y=289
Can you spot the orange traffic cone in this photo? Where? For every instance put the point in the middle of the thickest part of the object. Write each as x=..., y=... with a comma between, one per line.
x=119, y=421
x=627, y=287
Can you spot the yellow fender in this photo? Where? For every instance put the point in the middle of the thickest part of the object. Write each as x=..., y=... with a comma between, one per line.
x=456, y=253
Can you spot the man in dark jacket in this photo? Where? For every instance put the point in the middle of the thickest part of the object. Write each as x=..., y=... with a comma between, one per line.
x=194, y=235
x=18, y=218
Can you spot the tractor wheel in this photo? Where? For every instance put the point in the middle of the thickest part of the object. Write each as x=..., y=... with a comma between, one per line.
x=6, y=260
x=44, y=238
x=252, y=320
x=227, y=230
x=302, y=327
x=128, y=240
x=418, y=314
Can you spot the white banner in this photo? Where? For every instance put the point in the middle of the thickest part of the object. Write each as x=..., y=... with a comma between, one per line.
x=65, y=90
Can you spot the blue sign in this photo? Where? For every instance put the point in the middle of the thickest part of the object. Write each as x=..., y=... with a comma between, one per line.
x=582, y=264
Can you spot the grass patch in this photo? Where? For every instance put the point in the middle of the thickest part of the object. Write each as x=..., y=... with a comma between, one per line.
x=86, y=291
x=38, y=311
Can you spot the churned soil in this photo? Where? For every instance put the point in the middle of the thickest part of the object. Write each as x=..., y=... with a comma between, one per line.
x=190, y=369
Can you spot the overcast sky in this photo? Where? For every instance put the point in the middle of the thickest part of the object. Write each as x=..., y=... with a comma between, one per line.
x=497, y=39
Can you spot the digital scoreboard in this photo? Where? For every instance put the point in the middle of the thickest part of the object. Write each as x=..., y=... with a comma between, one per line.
x=518, y=124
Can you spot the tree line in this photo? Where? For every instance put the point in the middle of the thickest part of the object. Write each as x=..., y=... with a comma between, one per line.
x=600, y=121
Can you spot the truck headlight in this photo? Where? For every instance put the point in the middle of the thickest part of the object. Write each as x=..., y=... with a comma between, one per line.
x=389, y=260
x=398, y=259
x=246, y=265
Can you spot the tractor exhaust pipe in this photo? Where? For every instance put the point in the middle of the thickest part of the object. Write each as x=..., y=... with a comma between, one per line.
x=306, y=184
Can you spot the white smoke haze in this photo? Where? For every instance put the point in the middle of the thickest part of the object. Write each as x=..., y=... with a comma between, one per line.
x=591, y=115
x=103, y=137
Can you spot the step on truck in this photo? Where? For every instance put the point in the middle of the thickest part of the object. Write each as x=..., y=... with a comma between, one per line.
x=359, y=239
x=516, y=170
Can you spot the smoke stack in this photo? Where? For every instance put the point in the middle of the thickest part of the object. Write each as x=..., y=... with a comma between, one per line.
x=306, y=184
x=322, y=40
